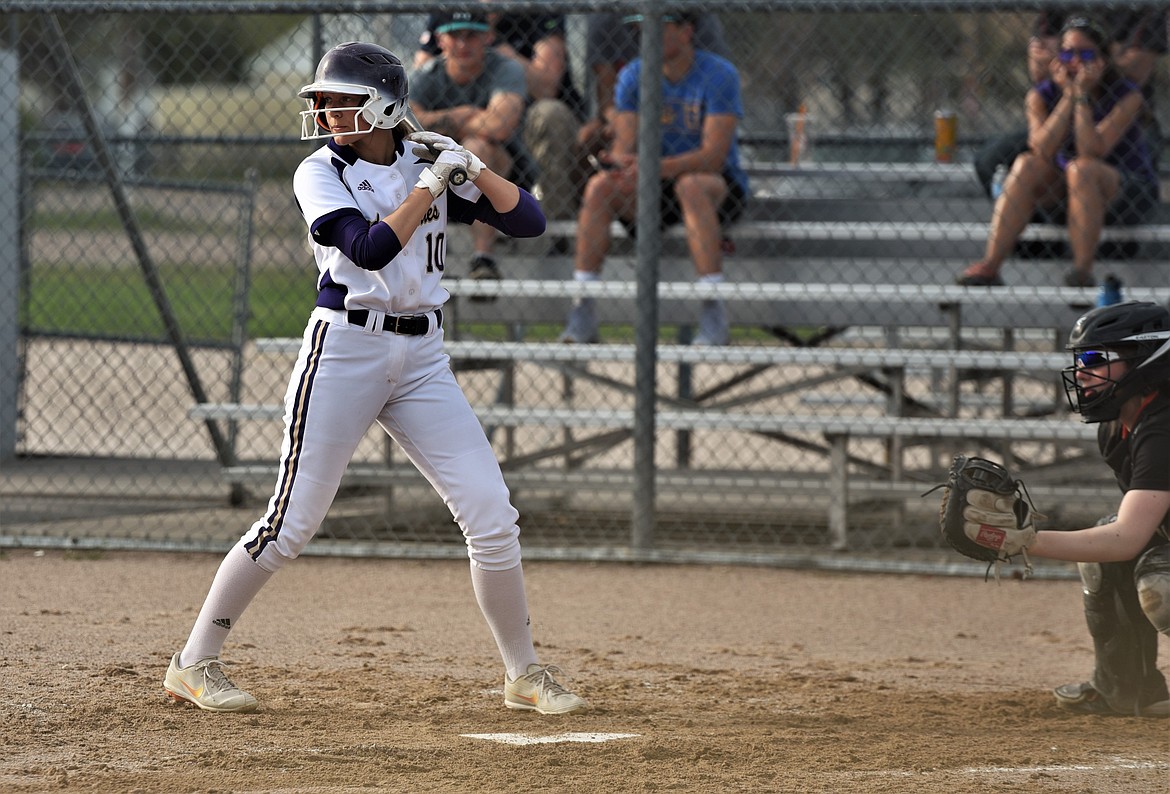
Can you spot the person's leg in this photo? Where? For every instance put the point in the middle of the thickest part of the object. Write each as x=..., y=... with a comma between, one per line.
x=440, y=433
x=1032, y=182
x=699, y=198
x=1125, y=645
x=1092, y=186
x=483, y=237
x=549, y=130
x=504, y=604
x=443, y=438
x=603, y=200
x=1002, y=150
x=1152, y=574
x=1152, y=578
x=332, y=398
x=236, y=583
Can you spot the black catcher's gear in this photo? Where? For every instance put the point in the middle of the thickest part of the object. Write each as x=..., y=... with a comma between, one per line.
x=1135, y=332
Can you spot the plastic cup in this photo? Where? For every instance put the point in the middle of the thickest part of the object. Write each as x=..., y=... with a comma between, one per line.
x=799, y=137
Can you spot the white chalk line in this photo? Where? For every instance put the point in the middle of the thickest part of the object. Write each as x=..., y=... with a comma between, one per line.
x=524, y=739
x=1113, y=765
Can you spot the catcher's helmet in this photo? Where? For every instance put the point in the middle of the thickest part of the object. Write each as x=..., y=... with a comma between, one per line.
x=1135, y=332
x=358, y=69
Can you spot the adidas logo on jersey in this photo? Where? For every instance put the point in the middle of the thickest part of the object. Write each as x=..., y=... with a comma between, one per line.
x=223, y=623
x=365, y=185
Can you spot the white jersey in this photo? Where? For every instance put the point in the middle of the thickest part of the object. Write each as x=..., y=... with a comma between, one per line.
x=332, y=179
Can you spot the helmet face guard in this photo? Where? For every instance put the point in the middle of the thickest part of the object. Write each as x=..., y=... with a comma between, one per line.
x=1099, y=397
x=357, y=69
x=1134, y=334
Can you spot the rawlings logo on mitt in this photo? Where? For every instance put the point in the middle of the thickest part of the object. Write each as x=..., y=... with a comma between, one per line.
x=986, y=513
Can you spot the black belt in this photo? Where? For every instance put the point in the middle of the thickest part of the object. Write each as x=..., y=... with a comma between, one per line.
x=407, y=325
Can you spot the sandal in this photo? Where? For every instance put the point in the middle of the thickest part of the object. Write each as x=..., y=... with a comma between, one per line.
x=979, y=275
x=1075, y=278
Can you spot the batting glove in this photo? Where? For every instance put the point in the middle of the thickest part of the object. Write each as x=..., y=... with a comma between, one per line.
x=473, y=165
x=429, y=145
x=448, y=168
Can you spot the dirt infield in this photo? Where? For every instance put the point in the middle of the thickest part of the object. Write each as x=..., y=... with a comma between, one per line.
x=372, y=674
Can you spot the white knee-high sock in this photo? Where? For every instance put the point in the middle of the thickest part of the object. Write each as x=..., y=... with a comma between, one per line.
x=505, y=607
x=236, y=583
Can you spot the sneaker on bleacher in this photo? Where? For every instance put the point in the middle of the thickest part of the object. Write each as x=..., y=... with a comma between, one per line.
x=714, y=329
x=582, y=327
x=484, y=268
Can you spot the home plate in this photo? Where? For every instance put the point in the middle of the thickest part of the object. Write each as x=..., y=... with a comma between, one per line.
x=520, y=738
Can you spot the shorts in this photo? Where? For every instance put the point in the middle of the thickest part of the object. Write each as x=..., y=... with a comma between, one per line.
x=730, y=210
x=1135, y=201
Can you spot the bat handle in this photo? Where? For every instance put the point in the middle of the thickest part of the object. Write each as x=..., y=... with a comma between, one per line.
x=458, y=176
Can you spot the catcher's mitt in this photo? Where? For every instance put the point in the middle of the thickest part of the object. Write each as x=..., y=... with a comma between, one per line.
x=986, y=513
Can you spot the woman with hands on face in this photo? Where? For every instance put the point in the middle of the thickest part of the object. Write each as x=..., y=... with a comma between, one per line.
x=1088, y=162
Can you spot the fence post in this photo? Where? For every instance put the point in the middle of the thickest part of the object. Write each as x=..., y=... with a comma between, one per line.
x=10, y=245
x=648, y=249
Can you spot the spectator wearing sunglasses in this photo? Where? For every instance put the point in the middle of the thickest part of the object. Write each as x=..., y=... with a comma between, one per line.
x=1138, y=41
x=1088, y=162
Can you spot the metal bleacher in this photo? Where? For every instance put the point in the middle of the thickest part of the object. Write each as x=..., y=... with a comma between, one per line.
x=864, y=253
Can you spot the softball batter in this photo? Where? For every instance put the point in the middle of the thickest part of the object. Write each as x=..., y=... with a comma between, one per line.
x=377, y=199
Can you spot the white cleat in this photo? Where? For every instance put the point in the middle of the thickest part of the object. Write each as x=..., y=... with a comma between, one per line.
x=538, y=691
x=205, y=685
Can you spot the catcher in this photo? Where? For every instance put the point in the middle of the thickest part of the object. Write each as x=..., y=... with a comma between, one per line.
x=1120, y=378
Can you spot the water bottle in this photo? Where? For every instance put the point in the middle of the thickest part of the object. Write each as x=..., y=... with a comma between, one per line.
x=997, y=179
x=1110, y=292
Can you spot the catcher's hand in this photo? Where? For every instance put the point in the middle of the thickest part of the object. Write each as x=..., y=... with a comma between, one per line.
x=985, y=513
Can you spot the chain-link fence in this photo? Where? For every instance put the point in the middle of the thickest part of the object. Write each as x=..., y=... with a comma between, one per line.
x=161, y=270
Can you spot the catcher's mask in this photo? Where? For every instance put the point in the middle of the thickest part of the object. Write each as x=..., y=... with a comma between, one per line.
x=360, y=70
x=1136, y=333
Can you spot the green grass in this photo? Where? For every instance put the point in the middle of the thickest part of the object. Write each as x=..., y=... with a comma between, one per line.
x=108, y=220
x=109, y=302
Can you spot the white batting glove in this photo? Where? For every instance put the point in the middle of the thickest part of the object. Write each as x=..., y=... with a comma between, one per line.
x=448, y=168
x=429, y=145
x=474, y=165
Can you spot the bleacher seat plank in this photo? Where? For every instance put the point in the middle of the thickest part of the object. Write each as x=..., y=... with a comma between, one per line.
x=889, y=231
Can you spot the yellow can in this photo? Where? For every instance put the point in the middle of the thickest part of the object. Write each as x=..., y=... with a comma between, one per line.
x=946, y=130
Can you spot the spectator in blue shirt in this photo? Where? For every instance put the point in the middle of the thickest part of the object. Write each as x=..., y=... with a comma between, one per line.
x=703, y=185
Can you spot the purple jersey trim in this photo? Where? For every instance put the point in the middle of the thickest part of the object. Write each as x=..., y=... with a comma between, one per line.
x=369, y=246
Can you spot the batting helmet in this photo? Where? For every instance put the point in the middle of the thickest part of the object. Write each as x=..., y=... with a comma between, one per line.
x=1135, y=332
x=358, y=69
